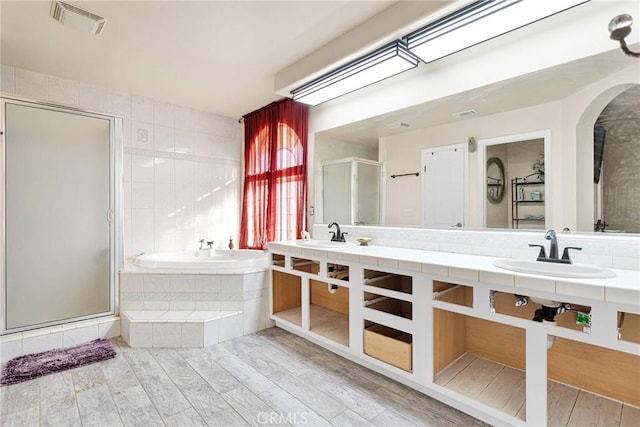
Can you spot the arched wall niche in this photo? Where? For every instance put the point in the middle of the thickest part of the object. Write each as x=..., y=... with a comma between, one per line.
x=585, y=196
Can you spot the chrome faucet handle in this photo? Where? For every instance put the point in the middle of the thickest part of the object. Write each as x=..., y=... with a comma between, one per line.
x=210, y=243
x=565, y=253
x=550, y=235
x=542, y=255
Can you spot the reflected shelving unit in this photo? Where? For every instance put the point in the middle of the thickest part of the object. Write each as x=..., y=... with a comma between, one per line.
x=527, y=203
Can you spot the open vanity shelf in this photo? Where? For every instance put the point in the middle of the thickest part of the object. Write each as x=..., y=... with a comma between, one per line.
x=470, y=343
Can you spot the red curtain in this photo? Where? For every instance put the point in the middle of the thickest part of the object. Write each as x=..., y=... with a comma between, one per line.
x=275, y=182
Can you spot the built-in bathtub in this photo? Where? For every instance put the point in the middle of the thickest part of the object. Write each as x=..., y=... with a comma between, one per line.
x=209, y=259
x=162, y=293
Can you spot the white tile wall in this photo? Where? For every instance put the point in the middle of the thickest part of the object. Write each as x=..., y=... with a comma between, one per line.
x=79, y=335
x=182, y=166
x=7, y=80
x=230, y=327
x=39, y=343
x=192, y=335
x=67, y=335
x=140, y=335
x=63, y=91
x=167, y=335
x=211, y=331
x=606, y=250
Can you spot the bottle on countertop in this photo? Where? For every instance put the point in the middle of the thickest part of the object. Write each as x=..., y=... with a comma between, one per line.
x=231, y=245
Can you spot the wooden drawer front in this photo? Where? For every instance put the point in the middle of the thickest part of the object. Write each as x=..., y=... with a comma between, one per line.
x=389, y=345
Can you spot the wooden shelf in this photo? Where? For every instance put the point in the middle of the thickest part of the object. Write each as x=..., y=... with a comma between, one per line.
x=330, y=324
x=293, y=315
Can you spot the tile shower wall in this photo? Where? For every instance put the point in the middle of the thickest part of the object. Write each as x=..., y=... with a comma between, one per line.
x=181, y=166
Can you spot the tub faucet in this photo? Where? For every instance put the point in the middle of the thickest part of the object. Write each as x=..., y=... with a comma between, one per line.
x=208, y=242
x=550, y=235
x=336, y=236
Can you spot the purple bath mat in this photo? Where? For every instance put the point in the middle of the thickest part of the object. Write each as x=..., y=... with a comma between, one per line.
x=36, y=365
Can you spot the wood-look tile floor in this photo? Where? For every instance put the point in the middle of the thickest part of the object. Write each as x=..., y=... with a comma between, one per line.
x=268, y=378
x=503, y=388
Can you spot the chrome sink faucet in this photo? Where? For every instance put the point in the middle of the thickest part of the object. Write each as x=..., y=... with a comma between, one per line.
x=336, y=236
x=550, y=235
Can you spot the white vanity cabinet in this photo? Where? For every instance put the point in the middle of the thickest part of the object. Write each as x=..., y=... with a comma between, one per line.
x=455, y=328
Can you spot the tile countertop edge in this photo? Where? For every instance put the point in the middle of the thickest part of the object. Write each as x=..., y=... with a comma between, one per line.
x=620, y=289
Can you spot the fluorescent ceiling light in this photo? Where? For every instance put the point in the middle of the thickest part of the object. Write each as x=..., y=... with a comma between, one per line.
x=385, y=62
x=478, y=22
x=76, y=18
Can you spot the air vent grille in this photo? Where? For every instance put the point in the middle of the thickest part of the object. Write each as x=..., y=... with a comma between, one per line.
x=76, y=18
x=463, y=114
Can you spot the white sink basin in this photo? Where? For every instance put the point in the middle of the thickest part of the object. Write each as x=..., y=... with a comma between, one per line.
x=580, y=271
x=327, y=244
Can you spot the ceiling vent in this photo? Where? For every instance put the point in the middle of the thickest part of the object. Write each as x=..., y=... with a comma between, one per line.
x=76, y=18
x=463, y=114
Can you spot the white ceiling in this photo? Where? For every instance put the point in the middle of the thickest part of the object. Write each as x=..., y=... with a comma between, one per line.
x=217, y=56
x=222, y=56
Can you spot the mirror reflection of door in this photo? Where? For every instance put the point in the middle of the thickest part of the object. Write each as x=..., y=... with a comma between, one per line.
x=444, y=191
x=521, y=206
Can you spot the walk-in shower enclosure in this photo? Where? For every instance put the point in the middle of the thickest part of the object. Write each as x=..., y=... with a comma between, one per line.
x=351, y=191
x=61, y=175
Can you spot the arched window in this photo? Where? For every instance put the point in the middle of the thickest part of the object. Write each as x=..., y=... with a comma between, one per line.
x=275, y=187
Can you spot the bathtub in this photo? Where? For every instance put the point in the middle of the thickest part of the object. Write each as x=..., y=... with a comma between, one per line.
x=170, y=284
x=210, y=259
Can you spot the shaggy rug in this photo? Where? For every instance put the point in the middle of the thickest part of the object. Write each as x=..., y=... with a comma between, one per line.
x=36, y=365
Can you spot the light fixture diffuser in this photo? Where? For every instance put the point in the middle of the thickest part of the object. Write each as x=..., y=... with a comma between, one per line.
x=478, y=22
x=385, y=62
x=76, y=18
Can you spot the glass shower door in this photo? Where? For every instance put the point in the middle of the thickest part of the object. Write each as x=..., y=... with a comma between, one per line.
x=368, y=179
x=58, y=224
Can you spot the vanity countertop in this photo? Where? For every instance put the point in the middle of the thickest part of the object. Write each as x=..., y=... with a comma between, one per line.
x=624, y=288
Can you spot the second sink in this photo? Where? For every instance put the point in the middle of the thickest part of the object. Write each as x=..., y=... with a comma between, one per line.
x=580, y=271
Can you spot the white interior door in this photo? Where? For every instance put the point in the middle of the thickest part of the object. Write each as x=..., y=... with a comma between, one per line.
x=444, y=186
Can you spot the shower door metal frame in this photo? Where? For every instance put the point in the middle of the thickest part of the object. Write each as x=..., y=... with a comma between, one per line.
x=115, y=213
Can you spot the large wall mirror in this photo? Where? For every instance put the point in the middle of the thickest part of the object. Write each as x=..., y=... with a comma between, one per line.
x=552, y=100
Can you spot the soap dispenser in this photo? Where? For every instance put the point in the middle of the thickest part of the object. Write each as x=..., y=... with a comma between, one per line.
x=231, y=242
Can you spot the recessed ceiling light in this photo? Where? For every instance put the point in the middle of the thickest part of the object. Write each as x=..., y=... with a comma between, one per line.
x=76, y=18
